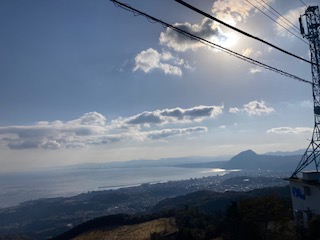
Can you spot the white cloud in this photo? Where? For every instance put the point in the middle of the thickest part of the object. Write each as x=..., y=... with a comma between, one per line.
x=91, y=118
x=250, y=52
x=170, y=69
x=54, y=135
x=145, y=118
x=151, y=59
x=234, y=110
x=147, y=60
x=247, y=52
x=50, y=144
x=257, y=108
x=180, y=43
x=255, y=70
x=174, y=115
x=164, y=133
x=306, y=104
x=92, y=129
x=253, y=108
x=290, y=130
x=231, y=11
x=292, y=16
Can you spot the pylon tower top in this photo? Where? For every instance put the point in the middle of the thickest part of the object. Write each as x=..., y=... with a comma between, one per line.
x=311, y=19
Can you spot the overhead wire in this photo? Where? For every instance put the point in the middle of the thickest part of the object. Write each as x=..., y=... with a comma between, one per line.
x=207, y=42
x=279, y=14
x=303, y=3
x=277, y=22
x=242, y=32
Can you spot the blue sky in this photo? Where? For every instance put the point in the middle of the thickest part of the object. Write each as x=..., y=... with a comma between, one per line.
x=85, y=81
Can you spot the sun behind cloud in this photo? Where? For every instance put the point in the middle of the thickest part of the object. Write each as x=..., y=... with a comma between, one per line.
x=231, y=40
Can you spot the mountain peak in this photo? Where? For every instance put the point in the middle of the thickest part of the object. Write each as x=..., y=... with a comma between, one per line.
x=244, y=156
x=247, y=153
x=250, y=160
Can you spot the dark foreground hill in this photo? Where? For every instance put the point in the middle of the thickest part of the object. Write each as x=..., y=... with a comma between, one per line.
x=212, y=202
x=193, y=216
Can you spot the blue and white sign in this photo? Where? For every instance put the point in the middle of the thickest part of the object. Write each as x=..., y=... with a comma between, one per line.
x=296, y=192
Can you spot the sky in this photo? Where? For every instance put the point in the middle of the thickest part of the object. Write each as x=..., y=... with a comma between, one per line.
x=86, y=81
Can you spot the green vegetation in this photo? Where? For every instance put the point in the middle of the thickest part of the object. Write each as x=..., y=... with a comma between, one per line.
x=265, y=217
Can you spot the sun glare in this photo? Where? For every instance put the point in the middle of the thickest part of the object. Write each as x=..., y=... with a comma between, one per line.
x=231, y=40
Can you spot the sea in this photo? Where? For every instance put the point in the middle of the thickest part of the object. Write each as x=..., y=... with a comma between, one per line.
x=16, y=188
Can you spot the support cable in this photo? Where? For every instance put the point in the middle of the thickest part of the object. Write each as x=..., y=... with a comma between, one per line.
x=207, y=42
x=303, y=3
x=277, y=22
x=241, y=31
x=279, y=14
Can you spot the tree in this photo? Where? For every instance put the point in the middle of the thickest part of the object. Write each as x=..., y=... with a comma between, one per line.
x=264, y=217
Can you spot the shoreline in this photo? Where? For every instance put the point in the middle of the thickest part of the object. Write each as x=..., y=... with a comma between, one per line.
x=28, y=190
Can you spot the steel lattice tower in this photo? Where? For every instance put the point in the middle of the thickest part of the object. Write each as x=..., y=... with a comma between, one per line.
x=312, y=19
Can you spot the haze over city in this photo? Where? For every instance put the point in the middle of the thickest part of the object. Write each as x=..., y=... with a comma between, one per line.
x=85, y=81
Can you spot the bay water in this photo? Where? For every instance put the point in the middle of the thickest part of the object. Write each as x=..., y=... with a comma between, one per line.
x=19, y=187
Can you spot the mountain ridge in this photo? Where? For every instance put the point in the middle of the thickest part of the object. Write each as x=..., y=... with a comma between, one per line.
x=249, y=160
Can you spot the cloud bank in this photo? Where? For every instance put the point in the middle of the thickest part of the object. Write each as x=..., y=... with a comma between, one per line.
x=93, y=129
x=174, y=115
x=290, y=130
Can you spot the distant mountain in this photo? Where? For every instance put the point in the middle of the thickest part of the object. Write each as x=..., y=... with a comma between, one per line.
x=163, y=162
x=281, y=153
x=252, y=161
x=249, y=160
